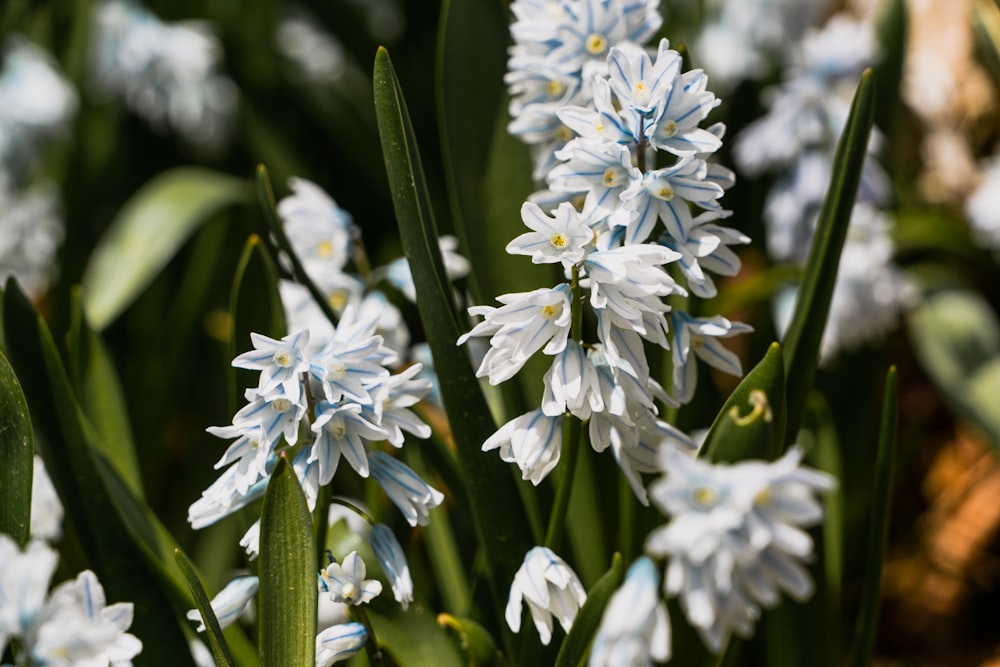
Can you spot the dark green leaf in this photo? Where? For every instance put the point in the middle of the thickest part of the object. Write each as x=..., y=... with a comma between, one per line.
x=469, y=99
x=751, y=425
x=147, y=233
x=498, y=515
x=96, y=383
x=802, y=341
x=17, y=456
x=220, y=651
x=288, y=593
x=118, y=553
x=878, y=529
x=577, y=643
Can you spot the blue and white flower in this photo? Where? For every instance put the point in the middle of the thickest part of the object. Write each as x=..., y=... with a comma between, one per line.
x=281, y=362
x=549, y=587
x=635, y=628
x=346, y=583
x=412, y=495
x=533, y=441
x=563, y=238
x=230, y=603
x=393, y=561
x=339, y=642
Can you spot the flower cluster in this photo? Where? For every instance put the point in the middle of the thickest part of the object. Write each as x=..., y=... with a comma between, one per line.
x=558, y=48
x=168, y=73
x=71, y=625
x=798, y=136
x=735, y=538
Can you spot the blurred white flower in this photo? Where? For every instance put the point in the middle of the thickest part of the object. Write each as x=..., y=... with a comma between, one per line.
x=46, y=509
x=339, y=642
x=635, y=628
x=168, y=73
x=31, y=230
x=983, y=207
x=230, y=602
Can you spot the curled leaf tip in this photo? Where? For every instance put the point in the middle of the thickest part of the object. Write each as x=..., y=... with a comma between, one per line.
x=760, y=408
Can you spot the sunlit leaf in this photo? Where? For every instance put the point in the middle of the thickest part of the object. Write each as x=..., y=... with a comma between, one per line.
x=147, y=232
x=288, y=593
x=751, y=424
x=213, y=631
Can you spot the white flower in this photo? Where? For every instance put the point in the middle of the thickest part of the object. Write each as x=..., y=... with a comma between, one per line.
x=76, y=628
x=571, y=384
x=735, y=538
x=231, y=601
x=414, y=497
x=339, y=642
x=983, y=207
x=24, y=581
x=31, y=230
x=246, y=453
x=700, y=336
x=532, y=441
x=319, y=231
x=46, y=509
x=277, y=415
x=563, y=238
x=345, y=582
x=280, y=362
x=635, y=628
x=392, y=401
x=351, y=363
x=550, y=588
x=393, y=561
x=341, y=429
x=524, y=324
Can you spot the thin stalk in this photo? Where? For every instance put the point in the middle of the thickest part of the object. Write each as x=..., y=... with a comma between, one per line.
x=570, y=436
x=626, y=520
x=321, y=522
x=371, y=644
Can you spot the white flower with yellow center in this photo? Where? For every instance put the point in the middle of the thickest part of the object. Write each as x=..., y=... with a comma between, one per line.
x=562, y=238
x=526, y=323
x=341, y=429
x=280, y=362
x=346, y=583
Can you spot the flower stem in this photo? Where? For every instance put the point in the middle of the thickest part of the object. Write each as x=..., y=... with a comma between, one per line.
x=371, y=645
x=571, y=438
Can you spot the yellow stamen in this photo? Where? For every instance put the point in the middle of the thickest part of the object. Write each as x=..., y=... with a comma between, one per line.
x=596, y=44
x=706, y=496
x=558, y=240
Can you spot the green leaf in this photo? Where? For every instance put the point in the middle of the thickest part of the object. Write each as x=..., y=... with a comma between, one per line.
x=254, y=306
x=119, y=552
x=956, y=337
x=751, y=425
x=147, y=233
x=878, y=529
x=17, y=455
x=480, y=649
x=575, y=647
x=96, y=383
x=413, y=638
x=469, y=99
x=497, y=513
x=213, y=631
x=288, y=594
x=802, y=341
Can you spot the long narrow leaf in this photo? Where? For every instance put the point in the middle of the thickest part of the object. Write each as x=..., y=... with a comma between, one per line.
x=802, y=341
x=498, y=515
x=288, y=594
x=147, y=233
x=213, y=631
x=867, y=618
x=16, y=457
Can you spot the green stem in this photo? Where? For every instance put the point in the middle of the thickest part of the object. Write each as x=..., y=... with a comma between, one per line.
x=344, y=502
x=626, y=519
x=570, y=436
x=371, y=645
x=321, y=523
